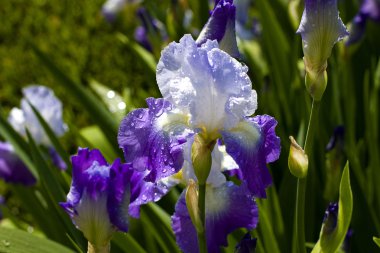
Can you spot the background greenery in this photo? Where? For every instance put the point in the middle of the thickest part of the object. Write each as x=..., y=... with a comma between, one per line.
x=76, y=39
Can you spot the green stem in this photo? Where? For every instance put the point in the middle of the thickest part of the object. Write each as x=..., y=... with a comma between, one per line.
x=202, y=213
x=301, y=183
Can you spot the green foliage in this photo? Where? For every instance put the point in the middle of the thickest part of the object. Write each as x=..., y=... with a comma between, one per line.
x=333, y=241
x=17, y=241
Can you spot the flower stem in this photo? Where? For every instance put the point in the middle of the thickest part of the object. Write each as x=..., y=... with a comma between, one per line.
x=98, y=249
x=301, y=183
x=202, y=213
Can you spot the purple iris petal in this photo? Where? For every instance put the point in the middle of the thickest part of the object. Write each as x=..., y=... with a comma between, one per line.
x=227, y=208
x=252, y=152
x=141, y=37
x=357, y=29
x=370, y=9
x=119, y=195
x=57, y=159
x=330, y=219
x=221, y=27
x=149, y=144
x=246, y=245
x=336, y=139
x=12, y=169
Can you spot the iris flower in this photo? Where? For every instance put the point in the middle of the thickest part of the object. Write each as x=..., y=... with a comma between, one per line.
x=12, y=169
x=205, y=92
x=103, y=196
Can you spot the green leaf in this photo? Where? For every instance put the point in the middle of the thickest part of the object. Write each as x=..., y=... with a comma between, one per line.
x=332, y=242
x=50, y=178
x=17, y=241
x=141, y=52
x=265, y=231
x=127, y=243
x=94, y=136
x=52, y=137
x=94, y=107
x=377, y=241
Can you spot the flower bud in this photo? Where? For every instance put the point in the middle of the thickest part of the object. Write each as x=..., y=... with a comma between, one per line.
x=201, y=158
x=192, y=205
x=316, y=83
x=298, y=161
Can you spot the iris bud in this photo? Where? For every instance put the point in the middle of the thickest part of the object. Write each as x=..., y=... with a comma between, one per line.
x=298, y=161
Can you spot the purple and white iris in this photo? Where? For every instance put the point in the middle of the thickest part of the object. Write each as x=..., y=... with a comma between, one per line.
x=205, y=92
x=103, y=196
x=320, y=28
x=47, y=104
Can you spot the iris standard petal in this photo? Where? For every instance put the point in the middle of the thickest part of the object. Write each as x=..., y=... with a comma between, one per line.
x=152, y=139
x=320, y=28
x=206, y=83
x=252, y=144
x=228, y=207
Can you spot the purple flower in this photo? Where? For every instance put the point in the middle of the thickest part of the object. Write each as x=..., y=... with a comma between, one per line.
x=12, y=169
x=205, y=92
x=336, y=139
x=370, y=9
x=221, y=27
x=111, y=7
x=102, y=196
x=150, y=28
x=246, y=245
x=320, y=28
x=228, y=207
x=330, y=219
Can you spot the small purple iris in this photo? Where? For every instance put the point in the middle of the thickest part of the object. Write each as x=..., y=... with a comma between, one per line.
x=103, y=196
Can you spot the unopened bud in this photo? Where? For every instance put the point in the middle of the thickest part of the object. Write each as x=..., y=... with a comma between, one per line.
x=298, y=161
x=201, y=158
x=192, y=205
x=316, y=81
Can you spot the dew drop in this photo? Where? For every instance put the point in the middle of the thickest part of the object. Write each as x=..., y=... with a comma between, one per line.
x=144, y=197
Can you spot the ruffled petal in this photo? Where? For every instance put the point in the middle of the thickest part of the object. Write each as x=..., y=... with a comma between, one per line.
x=205, y=82
x=221, y=27
x=12, y=169
x=81, y=162
x=143, y=192
x=152, y=139
x=253, y=144
x=228, y=207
